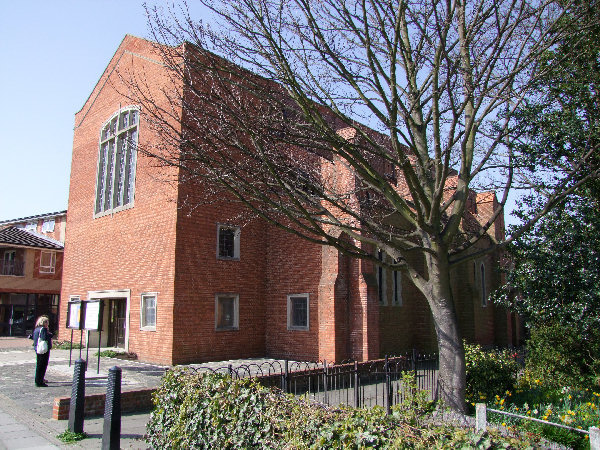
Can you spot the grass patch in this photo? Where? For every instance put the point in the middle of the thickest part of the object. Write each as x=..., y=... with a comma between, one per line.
x=65, y=345
x=68, y=437
x=116, y=354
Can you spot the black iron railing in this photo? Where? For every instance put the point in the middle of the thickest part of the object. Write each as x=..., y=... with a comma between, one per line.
x=361, y=384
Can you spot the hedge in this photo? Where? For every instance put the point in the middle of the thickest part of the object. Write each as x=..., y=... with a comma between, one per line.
x=207, y=410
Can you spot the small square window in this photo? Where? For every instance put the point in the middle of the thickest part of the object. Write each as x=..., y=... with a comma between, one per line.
x=226, y=312
x=298, y=309
x=31, y=226
x=228, y=242
x=148, y=312
x=47, y=262
x=48, y=226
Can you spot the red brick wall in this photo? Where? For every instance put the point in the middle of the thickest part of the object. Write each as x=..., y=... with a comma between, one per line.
x=160, y=245
x=200, y=275
x=134, y=248
x=293, y=267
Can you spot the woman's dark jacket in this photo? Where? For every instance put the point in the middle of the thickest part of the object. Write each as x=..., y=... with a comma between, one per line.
x=44, y=334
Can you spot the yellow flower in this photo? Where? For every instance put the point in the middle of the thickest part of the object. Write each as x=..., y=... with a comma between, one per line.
x=503, y=424
x=502, y=402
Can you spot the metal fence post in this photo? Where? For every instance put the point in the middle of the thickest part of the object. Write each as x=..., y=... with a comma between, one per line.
x=111, y=432
x=325, y=395
x=594, y=438
x=388, y=391
x=480, y=417
x=356, y=386
x=77, y=405
x=285, y=381
x=414, y=363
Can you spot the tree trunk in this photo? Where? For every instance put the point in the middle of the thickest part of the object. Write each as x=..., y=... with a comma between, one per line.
x=452, y=371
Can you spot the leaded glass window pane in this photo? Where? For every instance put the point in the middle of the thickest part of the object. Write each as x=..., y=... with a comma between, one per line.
x=116, y=162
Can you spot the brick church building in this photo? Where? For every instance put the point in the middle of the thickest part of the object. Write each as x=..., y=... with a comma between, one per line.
x=180, y=285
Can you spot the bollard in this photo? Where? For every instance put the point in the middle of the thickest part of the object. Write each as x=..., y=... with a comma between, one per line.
x=480, y=417
x=76, y=408
x=111, y=433
x=594, y=438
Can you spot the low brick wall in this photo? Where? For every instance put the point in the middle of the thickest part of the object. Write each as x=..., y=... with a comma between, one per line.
x=131, y=401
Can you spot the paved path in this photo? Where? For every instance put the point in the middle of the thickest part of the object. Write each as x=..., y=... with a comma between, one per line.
x=26, y=411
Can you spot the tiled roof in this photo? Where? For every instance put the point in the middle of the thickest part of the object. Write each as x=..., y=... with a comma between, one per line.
x=23, y=238
x=37, y=217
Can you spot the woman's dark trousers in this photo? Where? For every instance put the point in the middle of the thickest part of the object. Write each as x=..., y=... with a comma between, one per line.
x=40, y=368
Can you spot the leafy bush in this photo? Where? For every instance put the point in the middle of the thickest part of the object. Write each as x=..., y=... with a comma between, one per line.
x=68, y=437
x=489, y=373
x=415, y=405
x=559, y=356
x=211, y=411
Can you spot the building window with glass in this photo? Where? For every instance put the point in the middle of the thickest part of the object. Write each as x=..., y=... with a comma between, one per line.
x=115, y=184
x=228, y=242
x=227, y=312
x=298, y=309
x=47, y=262
x=148, y=312
x=482, y=289
x=48, y=226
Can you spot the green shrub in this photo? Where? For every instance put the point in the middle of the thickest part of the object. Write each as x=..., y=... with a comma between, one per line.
x=489, y=373
x=68, y=437
x=415, y=405
x=212, y=411
x=558, y=356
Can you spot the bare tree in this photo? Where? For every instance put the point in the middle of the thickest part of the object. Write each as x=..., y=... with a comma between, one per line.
x=273, y=99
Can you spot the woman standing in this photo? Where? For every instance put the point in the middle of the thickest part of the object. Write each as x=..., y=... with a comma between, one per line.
x=41, y=332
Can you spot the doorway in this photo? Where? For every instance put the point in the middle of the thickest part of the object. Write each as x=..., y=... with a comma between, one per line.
x=117, y=309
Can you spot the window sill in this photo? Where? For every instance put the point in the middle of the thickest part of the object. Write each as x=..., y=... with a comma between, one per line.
x=227, y=258
x=298, y=329
x=110, y=212
x=148, y=329
x=227, y=329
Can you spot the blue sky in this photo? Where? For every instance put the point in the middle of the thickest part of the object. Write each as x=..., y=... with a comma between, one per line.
x=53, y=52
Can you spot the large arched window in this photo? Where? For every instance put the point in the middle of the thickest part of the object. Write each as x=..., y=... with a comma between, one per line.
x=116, y=162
